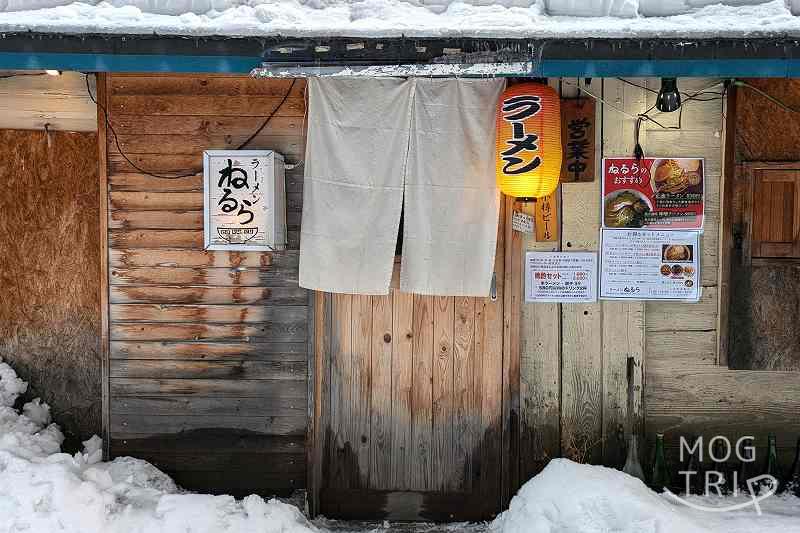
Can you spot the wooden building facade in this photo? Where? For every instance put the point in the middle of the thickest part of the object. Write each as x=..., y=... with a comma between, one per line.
x=220, y=370
x=206, y=373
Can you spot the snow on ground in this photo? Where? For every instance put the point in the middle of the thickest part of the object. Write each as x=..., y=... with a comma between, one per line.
x=571, y=498
x=414, y=18
x=43, y=490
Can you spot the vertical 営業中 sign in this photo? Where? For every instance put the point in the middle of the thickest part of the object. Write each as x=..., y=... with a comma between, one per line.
x=577, y=139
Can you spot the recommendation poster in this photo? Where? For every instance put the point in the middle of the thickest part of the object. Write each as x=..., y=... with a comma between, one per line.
x=567, y=277
x=650, y=265
x=653, y=193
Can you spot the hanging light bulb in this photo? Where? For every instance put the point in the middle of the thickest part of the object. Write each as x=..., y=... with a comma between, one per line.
x=668, y=99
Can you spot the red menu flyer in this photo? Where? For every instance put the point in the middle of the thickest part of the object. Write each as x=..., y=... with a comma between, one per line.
x=653, y=193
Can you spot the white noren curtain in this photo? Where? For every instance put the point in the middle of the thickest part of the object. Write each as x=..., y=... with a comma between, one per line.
x=372, y=140
x=451, y=202
x=356, y=150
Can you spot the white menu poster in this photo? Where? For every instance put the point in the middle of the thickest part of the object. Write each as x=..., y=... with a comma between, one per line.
x=566, y=277
x=650, y=265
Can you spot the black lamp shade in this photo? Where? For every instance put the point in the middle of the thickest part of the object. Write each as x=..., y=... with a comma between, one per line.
x=668, y=99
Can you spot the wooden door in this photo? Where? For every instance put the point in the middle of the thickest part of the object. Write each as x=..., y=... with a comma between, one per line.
x=409, y=409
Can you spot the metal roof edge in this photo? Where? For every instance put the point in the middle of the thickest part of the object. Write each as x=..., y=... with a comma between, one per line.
x=777, y=56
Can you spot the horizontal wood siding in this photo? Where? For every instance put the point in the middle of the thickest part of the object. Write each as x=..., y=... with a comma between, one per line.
x=687, y=392
x=33, y=100
x=208, y=350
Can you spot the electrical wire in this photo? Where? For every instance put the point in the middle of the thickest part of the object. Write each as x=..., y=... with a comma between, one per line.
x=184, y=174
x=769, y=97
x=685, y=95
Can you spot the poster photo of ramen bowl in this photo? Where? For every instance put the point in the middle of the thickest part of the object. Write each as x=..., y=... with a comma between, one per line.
x=676, y=176
x=677, y=253
x=626, y=208
x=653, y=193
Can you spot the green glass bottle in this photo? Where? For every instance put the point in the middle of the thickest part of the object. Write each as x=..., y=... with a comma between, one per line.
x=660, y=478
x=746, y=467
x=792, y=484
x=690, y=483
x=770, y=463
x=719, y=467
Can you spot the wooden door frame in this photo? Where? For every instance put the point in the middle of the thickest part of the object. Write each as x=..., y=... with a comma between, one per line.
x=319, y=370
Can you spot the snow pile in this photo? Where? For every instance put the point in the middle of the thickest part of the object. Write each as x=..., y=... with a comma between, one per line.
x=43, y=490
x=413, y=18
x=568, y=497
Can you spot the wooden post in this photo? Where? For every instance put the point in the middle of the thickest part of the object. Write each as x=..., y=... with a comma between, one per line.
x=102, y=161
x=726, y=240
x=623, y=322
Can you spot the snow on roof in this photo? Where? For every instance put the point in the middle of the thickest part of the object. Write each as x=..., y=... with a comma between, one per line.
x=540, y=19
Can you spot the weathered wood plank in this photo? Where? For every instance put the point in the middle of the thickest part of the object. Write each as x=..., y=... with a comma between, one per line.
x=464, y=428
x=677, y=349
x=540, y=373
x=342, y=458
x=209, y=84
x=492, y=378
x=146, y=238
x=191, y=239
x=135, y=181
x=182, y=405
x=272, y=276
x=442, y=403
x=403, y=456
x=225, y=314
x=206, y=125
x=102, y=164
x=712, y=401
x=421, y=394
x=383, y=340
x=205, y=105
x=320, y=402
x=157, y=425
x=144, y=257
x=360, y=390
x=157, y=200
x=30, y=102
x=164, y=369
x=155, y=219
x=254, y=465
x=210, y=442
x=120, y=219
x=623, y=322
x=513, y=289
x=680, y=316
x=290, y=330
x=243, y=388
x=159, y=164
x=253, y=351
x=581, y=350
x=290, y=146
x=582, y=398
x=208, y=295
x=175, y=201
